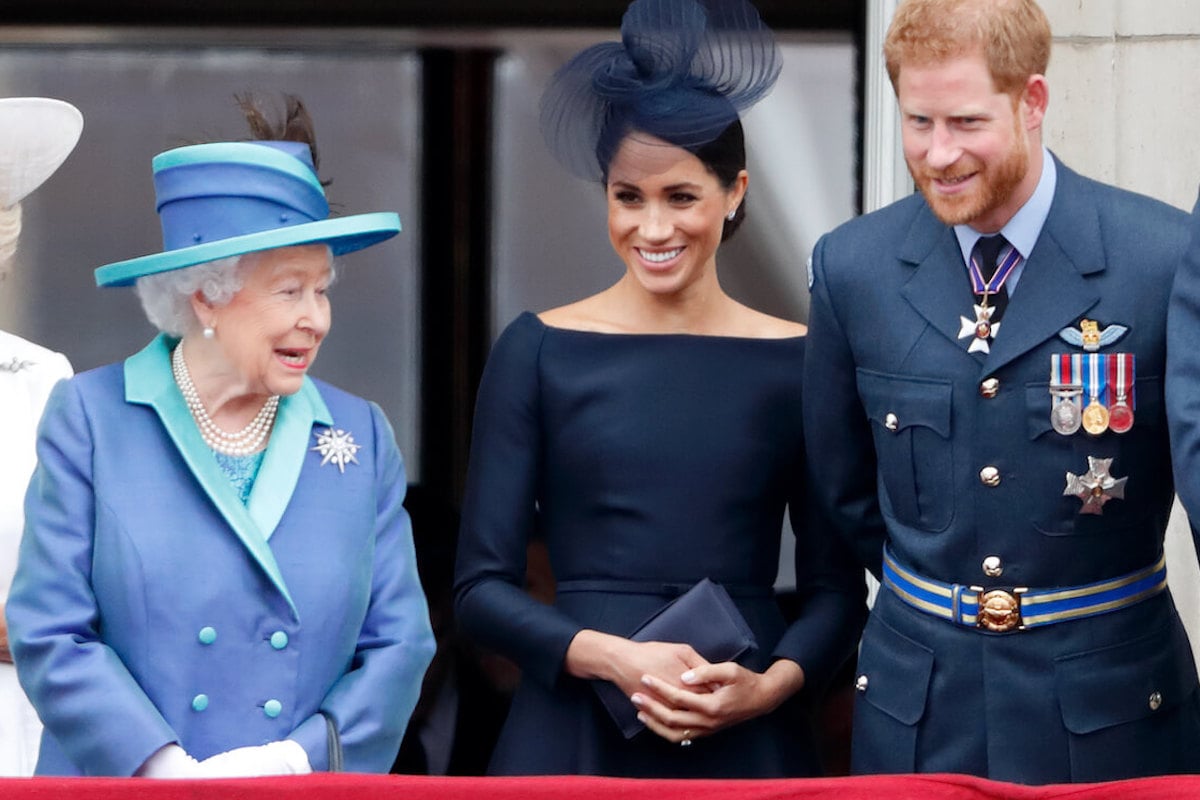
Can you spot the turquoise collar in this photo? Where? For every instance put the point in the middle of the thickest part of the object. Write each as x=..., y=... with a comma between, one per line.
x=148, y=381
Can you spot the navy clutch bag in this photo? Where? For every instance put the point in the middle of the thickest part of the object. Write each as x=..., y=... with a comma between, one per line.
x=704, y=617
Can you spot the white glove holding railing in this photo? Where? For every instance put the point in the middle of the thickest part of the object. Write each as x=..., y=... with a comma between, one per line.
x=284, y=757
x=169, y=761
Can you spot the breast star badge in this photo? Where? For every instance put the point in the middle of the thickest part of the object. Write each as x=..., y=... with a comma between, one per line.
x=982, y=329
x=1096, y=487
x=336, y=446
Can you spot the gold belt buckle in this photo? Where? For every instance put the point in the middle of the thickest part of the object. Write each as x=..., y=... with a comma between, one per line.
x=999, y=609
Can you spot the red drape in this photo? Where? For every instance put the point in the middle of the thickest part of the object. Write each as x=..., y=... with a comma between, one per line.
x=397, y=787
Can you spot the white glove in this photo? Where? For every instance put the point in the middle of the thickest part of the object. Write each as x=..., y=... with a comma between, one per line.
x=169, y=761
x=284, y=757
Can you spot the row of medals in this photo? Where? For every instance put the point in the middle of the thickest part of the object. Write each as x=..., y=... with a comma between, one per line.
x=1068, y=414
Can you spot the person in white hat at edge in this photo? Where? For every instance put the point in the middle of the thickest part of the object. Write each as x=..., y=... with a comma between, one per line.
x=36, y=136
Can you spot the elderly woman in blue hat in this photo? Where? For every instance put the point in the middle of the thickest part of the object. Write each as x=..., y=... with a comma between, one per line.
x=36, y=136
x=652, y=434
x=217, y=575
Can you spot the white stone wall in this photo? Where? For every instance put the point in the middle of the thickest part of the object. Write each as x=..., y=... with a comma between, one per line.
x=1125, y=108
x=1125, y=93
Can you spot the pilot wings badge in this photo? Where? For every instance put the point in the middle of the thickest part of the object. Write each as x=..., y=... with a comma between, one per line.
x=1091, y=337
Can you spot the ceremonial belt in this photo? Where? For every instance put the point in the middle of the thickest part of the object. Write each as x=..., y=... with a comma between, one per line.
x=1019, y=608
x=661, y=588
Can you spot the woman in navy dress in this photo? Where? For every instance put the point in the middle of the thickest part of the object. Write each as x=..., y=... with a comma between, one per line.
x=652, y=435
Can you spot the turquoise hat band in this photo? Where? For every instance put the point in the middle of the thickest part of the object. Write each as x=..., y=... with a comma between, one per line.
x=342, y=234
x=268, y=155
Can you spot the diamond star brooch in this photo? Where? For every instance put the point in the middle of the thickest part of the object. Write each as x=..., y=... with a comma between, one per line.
x=336, y=446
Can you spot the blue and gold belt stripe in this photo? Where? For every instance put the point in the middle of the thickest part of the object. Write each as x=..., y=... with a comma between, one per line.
x=959, y=603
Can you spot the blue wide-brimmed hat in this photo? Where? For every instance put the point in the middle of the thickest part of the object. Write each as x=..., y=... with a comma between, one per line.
x=231, y=198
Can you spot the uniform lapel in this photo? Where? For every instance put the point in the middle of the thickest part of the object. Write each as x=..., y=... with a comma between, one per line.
x=1053, y=292
x=938, y=289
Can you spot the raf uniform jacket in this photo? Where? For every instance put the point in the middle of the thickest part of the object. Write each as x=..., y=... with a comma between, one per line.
x=1183, y=377
x=902, y=422
x=151, y=606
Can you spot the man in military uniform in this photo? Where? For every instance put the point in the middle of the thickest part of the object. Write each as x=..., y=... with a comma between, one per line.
x=986, y=422
x=1183, y=377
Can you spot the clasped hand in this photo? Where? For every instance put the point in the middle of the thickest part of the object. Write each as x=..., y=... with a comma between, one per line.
x=709, y=697
x=680, y=695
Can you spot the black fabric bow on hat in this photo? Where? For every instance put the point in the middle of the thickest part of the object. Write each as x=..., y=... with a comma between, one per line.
x=683, y=72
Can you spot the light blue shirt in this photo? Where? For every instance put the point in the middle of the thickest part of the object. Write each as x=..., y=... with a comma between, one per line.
x=1023, y=230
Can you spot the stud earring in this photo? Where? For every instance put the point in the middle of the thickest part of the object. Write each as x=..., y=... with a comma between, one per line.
x=731, y=215
x=209, y=332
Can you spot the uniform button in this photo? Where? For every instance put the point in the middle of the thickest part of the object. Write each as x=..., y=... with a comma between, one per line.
x=200, y=702
x=891, y=422
x=279, y=640
x=989, y=476
x=993, y=567
x=1155, y=701
x=989, y=388
x=861, y=684
x=207, y=635
x=272, y=708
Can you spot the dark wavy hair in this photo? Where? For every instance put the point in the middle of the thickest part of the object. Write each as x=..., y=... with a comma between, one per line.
x=725, y=157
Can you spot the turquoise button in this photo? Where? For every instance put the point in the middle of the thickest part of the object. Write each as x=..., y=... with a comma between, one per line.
x=200, y=702
x=272, y=708
x=207, y=635
x=279, y=640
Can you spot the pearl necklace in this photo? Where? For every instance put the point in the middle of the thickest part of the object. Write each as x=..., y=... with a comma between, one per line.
x=246, y=441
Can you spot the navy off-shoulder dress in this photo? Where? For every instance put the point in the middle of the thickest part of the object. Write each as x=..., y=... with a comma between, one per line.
x=647, y=462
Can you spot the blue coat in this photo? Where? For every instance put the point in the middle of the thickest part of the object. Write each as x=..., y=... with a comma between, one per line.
x=151, y=606
x=900, y=428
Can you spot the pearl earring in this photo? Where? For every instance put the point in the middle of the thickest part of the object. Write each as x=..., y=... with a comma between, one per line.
x=731, y=215
x=209, y=332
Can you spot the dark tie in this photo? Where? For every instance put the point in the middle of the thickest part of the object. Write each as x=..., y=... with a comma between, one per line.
x=987, y=250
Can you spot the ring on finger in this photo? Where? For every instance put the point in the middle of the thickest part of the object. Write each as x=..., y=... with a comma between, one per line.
x=686, y=741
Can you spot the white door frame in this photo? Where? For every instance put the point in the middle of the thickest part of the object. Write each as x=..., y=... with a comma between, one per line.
x=885, y=175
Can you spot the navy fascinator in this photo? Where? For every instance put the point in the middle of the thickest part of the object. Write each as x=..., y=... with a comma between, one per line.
x=682, y=72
